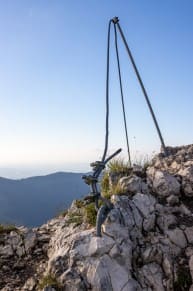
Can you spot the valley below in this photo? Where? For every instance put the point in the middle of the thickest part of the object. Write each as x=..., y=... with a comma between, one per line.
x=32, y=201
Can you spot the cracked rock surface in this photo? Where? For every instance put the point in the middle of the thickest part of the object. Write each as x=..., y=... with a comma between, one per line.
x=147, y=240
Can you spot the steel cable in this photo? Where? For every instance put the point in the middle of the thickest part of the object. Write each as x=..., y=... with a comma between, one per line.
x=122, y=96
x=107, y=94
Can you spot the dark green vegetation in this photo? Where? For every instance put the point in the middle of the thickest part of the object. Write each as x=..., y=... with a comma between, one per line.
x=49, y=280
x=75, y=217
x=82, y=213
x=7, y=228
x=118, y=166
x=184, y=280
x=90, y=214
x=116, y=169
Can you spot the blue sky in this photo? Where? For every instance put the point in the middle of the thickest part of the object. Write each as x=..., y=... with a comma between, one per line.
x=52, y=81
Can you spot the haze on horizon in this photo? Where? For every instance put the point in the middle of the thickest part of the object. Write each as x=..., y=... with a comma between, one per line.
x=52, y=81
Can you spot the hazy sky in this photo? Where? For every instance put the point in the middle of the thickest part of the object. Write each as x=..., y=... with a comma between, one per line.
x=52, y=80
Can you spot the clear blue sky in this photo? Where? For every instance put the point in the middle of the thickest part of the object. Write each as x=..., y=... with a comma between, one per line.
x=52, y=80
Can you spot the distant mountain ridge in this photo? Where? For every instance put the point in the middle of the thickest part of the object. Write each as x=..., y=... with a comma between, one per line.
x=32, y=201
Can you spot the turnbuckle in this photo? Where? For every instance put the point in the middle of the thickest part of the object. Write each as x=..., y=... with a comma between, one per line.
x=98, y=164
x=89, y=179
x=92, y=197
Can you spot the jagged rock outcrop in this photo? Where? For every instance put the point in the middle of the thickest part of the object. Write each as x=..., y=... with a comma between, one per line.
x=147, y=241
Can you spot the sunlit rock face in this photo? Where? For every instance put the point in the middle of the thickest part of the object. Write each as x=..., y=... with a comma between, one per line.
x=146, y=243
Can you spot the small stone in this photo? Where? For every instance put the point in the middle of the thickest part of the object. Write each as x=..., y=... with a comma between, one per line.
x=177, y=237
x=138, y=170
x=189, y=234
x=191, y=266
x=14, y=239
x=115, y=251
x=165, y=184
x=6, y=251
x=132, y=184
x=19, y=265
x=20, y=251
x=189, y=251
x=172, y=200
x=5, y=268
x=30, y=240
x=175, y=166
x=166, y=221
x=152, y=254
x=187, y=180
x=43, y=238
x=37, y=251
x=149, y=223
x=154, y=276
x=100, y=245
x=167, y=266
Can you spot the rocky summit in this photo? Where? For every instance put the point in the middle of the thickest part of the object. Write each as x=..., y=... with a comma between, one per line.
x=146, y=243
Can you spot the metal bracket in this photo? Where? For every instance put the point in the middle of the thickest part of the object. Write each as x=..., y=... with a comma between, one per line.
x=98, y=164
x=115, y=19
x=89, y=179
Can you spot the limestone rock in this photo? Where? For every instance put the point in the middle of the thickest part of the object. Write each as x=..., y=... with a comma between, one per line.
x=100, y=246
x=6, y=251
x=163, y=184
x=187, y=180
x=147, y=238
x=107, y=274
x=133, y=184
x=189, y=234
x=138, y=170
x=30, y=284
x=144, y=203
x=153, y=276
x=172, y=200
x=177, y=237
x=165, y=221
x=30, y=240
